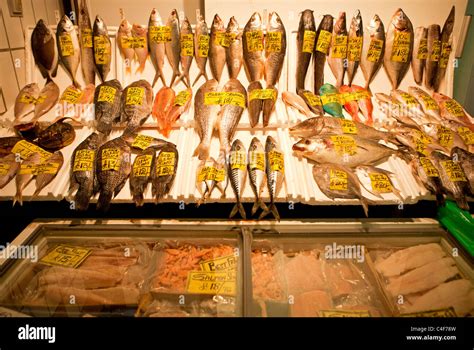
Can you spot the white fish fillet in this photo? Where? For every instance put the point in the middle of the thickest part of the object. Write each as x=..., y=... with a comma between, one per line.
x=303, y=274
x=423, y=278
x=458, y=294
x=409, y=258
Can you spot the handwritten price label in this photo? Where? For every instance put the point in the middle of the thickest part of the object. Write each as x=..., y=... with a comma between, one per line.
x=401, y=47
x=273, y=42
x=422, y=53
x=309, y=39
x=187, y=45
x=165, y=164
x=324, y=40
x=337, y=180
x=111, y=159
x=354, y=50
x=254, y=40
x=276, y=161
x=344, y=145
x=135, y=96
x=142, y=165
x=203, y=45
x=160, y=34
x=428, y=167
x=257, y=160
x=238, y=160
x=67, y=47
x=87, y=38
x=375, y=50
x=435, y=51
x=106, y=94
x=84, y=160
x=101, y=49
x=339, y=46
x=454, y=171
x=380, y=183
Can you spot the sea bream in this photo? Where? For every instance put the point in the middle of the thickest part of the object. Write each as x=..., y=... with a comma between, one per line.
x=450, y=109
x=48, y=171
x=275, y=171
x=187, y=57
x=140, y=38
x=102, y=48
x=44, y=50
x=237, y=170
x=107, y=98
x=47, y=99
x=373, y=50
x=305, y=41
x=398, y=48
x=234, y=53
x=173, y=47
x=68, y=47
x=252, y=41
x=201, y=47
x=256, y=169
x=25, y=101
x=217, y=54
x=156, y=49
x=125, y=42
x=427, y=103
x=354, y=48
x=275, y=49
x=136, y=104
x=338, y=49
x=85, y=40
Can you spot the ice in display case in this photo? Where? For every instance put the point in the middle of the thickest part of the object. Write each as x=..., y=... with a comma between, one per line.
x=171, y=268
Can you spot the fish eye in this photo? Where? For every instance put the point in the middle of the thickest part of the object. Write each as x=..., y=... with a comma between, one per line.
x=307, y=142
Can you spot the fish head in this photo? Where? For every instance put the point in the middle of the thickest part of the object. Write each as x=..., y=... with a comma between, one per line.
x=255, y=21
x=400, y=20
x=155, y=16
x=429, y=128
x=313, y=145
x=255, y=145
x=217, y=23
x=233, y=25
x=43, y=30
x=311, y=126
x=449, y=24
x=439, y=97
x=356, y=21
x=327, y=23
x=65, y=24
x=375, y=25
x=270, y=143
x=237, y=146
x=274, y=21
x=340, y=25
x=185, y=25
x=99, y=25
x=139, y=30
x=125, y=26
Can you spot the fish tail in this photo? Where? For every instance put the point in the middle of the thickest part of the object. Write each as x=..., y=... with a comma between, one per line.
x=76, y=84
x=128, y=70
x=201, y=151
x=140, y=68
x=159, y=191
x=138, y=199
x=103, y=203
x=201, y=74
x=238, y=207
x=272, y=209
x=440, y=201
x=82, y=199
x=462, y=202
x=159, y=74
x=173, y=78
x=259, y=204
x=365, y=205
x=181, y=77
x=18, y=198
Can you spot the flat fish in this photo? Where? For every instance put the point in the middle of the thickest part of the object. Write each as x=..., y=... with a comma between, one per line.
x=164, y=171
x=107, y=99
x=43, y=46
x=25, y=101
x=136, y=104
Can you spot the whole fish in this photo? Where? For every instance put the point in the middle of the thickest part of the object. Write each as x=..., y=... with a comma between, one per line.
x=221, y=180
x=238, y=175
x=83, y=166
x=305, y=41
x=257, y=174
x=466, y=160
x=230, y=114
x=462, y=131
x=136, y=104
x=48, y=171
x=420, y=53
x=368, y=170
x=275, y=49
x=336, y=126
x=338, y=181
x=173, y=47
x=164, y=171
x=417, y=140
x=113, y=166
x=7, y=144
x=297, y=102
x=444, y=136
x=330, y=100
x=107, y=99
x=140, y=36
x=312, y=101
x=350, y=151
x=187, y=60
x=450, y=109
x=125, y=42
x=141, y=174
x=269, y=106
x=8, y=169
x=57, y=135
x=25, y=175
x=25, y=100
x=217, y=54
x=47, y=99
x=85, y=40
x=68, y=47
x=365, y=104
x=201, y=47
x=252, y=42
x=275, y=171
x=203, y=185
x=157, y=49
x=392, y=108
x=427, y=103
x=234, y=53
x=255, y=105
x=453, y=178
x=354, y=46
x=428, y=176
x=44, y=50
x=138, y=142
x=398, y=48
x=434, y=52
x=205, y=118
x=181, y=105
x=338, y=49
x=373, y=50
x=446, y=48
x=162, y=105
x=102, y=48
x=411, y=106
x=323, y=38
x=352, y=107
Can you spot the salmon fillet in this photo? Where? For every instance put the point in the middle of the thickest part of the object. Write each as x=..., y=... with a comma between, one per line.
x=310, y=303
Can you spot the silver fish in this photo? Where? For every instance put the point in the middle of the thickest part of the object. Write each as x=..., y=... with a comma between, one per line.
x=356, y=31
x=238, y=175
x=255, y=105
x=446, y=48
x=68, y=47
x=217, y=55
x=157, y=49
x=234, y=53
x=275, y=170
x=269, y=106
x=257, y=174
x=373, y=50
x=186, y=61
x=85, y=40
x=102, y=48
x=25, y=100
x=173, y=47
x=252, y=41
x=367, y=170
x=201, y=47
x=336, y=63
x=275, y=49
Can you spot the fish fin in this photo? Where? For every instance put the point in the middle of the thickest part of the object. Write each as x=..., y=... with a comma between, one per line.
x=138, y=199
x=238, y=207
x=259, y=204
x=181, y=77
x=201, y=151
x=365, y=205
x=159, y=191
x=18, y=198
x=103, y=203
x=173, y=78
x=140, y=68
x=158, y=74
x=201, y=74
x=462, y=202
x=82, y=199
x=54, y=72
x=76, y=84
x=272, y=209
x=128, y=70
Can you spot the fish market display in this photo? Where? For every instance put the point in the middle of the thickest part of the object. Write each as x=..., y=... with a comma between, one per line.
x=380, y=181
x=323, y=40
x=312, y=101
x=136, y=104
x=201, y=47
x=252, y=41
x=305, y=41
x=47, y=99
x=86, y=44
x=156, y=46
x=141, y=176
x=234, y=52
x=427, y=103
x=420, y=54
x=275, y=170
x=207, y=178
x=275, y=49
x=67, y=40
x=180, y=105
x=187, y=49
x=48, y=170
x=25, y=100
x=295, y=101
x=338, y=49
x=433, y=53
x=257, y=174
x=25, y=175
x=238, y=175
x=446, y=48
x=426, y=174
x=373, y=50
x=8, y=169
x=107, y=99
x=466, y=160
x=450, y=109
x=398, y=48
x=113, y=166
x=125, y=42
x=102, y=48
x=139, y=34
x=56, y=136
x=83, y=165
x=330, y=100
x=164, y=171
x=173, y=47
x=44, y=50
x=217, y=50
x=354, y=46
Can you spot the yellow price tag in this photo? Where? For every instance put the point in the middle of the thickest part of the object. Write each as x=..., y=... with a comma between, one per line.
x=160, y=34
x=221, y=39
x=436, y=51
x=182, y=98
x=257, y=160
x=165, y=163
x=401, y=47
x=142, y=165
x=262, y=94
x=26, y=149
x=238, y=160
x=339, y=46
x=187, y=45
x=212, y=98
x=220, y=175
x=348, y=126
x=273, y=42
x=344, y=313
x=445, y=52
x=213, y=283
x=354, y=49
x=135, y=96
x=375, y=50
x=111, y=159
x=4, y=169
x=142, y=141
x=203, y=45
x=224, y=263
x=127, y=42
x=428, y=167
x=101, y=49
x=254, y=40
x=106, y=94
x=445, y=136
x=65, y=43
x=409, y=99
x=28, y=169
x=454, y=108
x=309, y=39
x=84, y=160
x=224, y=98
x=313, y=100
x=28, y=99
x=71, y=95
x=449, y=312
x=454, y=171
x=139, y=42
x=48, y=168
x=430, y=103
x=422, y=53
x=324, y=40
x=337, y=180
x=66, y=256
x=87, y=38
x=344, y=144
x=276, y=161
x=330, y=98
x=467, y=135
x=380, y=183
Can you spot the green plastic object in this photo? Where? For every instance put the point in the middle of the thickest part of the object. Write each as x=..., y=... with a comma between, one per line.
x=459, y=223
